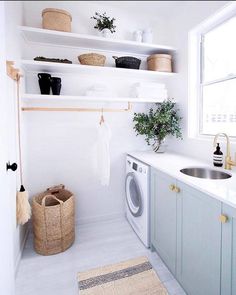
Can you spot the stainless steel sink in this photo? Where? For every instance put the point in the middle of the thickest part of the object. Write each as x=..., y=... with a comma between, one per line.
x=205, y=173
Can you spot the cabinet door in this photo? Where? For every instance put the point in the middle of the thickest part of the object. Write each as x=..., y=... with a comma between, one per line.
x=228, y=277
x=198, y=242
x=163, y=216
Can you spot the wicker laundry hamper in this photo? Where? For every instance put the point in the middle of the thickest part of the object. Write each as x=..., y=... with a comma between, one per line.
x=53, y=220
x=56, y=19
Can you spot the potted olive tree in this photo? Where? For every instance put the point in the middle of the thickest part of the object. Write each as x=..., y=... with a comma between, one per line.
x=105, y=24
x=158, y=124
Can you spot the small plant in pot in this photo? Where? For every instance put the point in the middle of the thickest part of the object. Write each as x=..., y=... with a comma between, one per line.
x=158, y=124
x=105, y=24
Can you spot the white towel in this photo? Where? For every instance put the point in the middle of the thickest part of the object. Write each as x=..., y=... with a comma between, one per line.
x=103, y=154
x=139, y=92
x=150, y=85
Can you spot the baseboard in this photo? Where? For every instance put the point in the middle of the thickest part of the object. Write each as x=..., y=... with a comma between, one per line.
x=100, y=218
x=22, y=246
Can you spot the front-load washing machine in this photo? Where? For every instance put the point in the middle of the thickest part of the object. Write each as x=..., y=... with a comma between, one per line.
x=138, y=198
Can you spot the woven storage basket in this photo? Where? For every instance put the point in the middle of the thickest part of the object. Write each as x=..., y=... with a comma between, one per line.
x=159, y=62
x=53, y=220
x=127, y=62
x=92, y=59
x=56, y=19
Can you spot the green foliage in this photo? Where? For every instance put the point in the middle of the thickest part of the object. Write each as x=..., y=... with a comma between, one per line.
x=159, y=123
x=104, y=22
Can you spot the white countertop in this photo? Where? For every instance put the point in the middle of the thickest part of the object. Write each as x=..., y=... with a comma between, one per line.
x=223, y=189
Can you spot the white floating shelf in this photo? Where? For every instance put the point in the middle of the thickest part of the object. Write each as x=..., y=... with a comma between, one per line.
x=36, y=35
x=55, y=98
x=63, y=68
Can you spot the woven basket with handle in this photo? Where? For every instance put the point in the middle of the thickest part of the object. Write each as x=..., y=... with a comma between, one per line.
x=53, y=220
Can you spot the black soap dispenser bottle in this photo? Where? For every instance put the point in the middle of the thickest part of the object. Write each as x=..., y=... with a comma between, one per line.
x=218, y=157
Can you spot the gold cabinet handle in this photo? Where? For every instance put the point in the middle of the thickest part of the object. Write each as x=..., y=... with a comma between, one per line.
x=172, y=187
x=177, y=189
x=223, y=218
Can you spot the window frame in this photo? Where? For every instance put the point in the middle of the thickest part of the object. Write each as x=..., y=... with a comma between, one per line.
x=196, y=68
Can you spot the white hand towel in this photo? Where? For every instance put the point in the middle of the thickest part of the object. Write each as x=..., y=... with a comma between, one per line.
x=103, y=154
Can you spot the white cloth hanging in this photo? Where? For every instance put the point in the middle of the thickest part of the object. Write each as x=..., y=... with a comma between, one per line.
x=103, y=154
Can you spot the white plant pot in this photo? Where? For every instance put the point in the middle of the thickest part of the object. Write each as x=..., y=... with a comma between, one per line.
x=106, y=33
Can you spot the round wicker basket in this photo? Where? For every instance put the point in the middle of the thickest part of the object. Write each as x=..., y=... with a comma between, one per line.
x=159, y=62
x=56, y=19
x=92, y=59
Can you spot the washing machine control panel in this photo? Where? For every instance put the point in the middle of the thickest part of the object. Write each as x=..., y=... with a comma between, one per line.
x=138, y=167
x=135, y=166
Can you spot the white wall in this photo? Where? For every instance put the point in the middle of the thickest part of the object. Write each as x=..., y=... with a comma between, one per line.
x=194, y=13
x=60, y=146
x=129, y=16
x=14, y=18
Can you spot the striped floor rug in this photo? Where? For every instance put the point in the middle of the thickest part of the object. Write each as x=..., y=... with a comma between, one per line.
x=131, y=277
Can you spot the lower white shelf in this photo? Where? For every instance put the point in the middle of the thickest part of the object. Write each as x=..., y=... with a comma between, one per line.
x=63, y=68
x=54, y=98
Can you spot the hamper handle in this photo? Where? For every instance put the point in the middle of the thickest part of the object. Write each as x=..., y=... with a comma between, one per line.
x=55, y=189
x=52, y=197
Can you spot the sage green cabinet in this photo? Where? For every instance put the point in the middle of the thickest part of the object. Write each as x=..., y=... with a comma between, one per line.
x=228, y=276
x=198, y=242
x=186, y=233
x=163, y=212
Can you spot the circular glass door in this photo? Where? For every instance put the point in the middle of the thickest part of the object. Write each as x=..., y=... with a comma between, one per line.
x=133, y=195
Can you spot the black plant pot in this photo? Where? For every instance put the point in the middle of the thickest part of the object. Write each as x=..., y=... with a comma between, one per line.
x=56, y=85
x=44, y=83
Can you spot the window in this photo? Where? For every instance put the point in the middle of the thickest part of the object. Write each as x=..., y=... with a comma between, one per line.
x=212, y=75
x=218, y=80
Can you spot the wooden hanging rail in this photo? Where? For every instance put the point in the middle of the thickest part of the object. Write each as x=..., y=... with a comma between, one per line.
x=49, y=109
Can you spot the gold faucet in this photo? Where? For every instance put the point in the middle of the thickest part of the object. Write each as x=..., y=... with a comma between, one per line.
x=228, y=162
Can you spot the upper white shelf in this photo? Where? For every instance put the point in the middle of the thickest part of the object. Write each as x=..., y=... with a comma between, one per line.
x=50, y=37
x=61, y=68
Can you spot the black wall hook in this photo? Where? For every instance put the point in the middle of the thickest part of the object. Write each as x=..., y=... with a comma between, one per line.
x=12, y=166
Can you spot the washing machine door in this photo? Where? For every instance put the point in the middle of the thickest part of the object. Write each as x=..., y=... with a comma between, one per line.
x=133, y=195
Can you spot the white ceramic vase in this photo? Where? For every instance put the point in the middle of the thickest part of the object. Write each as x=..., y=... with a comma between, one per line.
x=147, y=35
x=138, y=36
x=106, y=33
x=159, y=146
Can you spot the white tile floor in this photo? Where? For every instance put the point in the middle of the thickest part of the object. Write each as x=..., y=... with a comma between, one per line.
x=96, y=244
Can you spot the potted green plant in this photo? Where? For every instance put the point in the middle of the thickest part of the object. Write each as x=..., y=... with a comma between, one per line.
x=105, y=24
x=158, y=124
